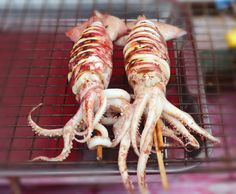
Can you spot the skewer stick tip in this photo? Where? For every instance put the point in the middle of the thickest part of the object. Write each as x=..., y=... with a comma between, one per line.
x=99, y=153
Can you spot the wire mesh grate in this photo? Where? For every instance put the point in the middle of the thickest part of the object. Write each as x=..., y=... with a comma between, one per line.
x=34, y=57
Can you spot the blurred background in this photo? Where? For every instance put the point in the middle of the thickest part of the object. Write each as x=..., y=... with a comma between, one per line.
x=33, y=68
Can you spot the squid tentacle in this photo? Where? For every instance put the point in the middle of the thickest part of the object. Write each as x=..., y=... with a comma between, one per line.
x=115, y=93
x=103, y=139
x=146, y=148
x=81, y=133
x=167, y=132
x=123, y=122
x=102, y=108
x=112, y=94
x=122, y=135
x=106, y=96
x=93, y=118
x=121, y=105
x=187, y=120
x=109, y=120
x=88, y=105
x=68, y=137
x=43, y=131
x=191, y=141
x=142, y=162
x=139, y=106
x=154, y=105
x=122, y=157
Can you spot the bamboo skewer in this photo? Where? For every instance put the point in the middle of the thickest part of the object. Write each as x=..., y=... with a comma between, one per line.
x=159, y=136
x=158, y=142
x=99, y=151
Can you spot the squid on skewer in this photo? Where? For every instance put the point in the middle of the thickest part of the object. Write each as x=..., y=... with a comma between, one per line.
x=90, y=69
x=148, y=71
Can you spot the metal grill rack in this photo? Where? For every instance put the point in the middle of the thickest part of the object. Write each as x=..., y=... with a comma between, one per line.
x=34, y=57
x=218, y=64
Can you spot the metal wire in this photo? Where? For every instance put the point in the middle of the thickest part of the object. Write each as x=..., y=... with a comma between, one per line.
x=34, y=56
x=218, y=77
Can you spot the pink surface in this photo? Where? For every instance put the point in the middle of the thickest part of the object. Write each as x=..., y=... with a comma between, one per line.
x=184, y=184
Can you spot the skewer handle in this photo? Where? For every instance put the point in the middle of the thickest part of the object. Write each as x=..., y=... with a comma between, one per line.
x=99, y=151
x=161, y=165
x=159, y=136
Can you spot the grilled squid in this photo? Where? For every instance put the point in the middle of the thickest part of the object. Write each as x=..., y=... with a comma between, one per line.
x=148, y=71
x=90, y=69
